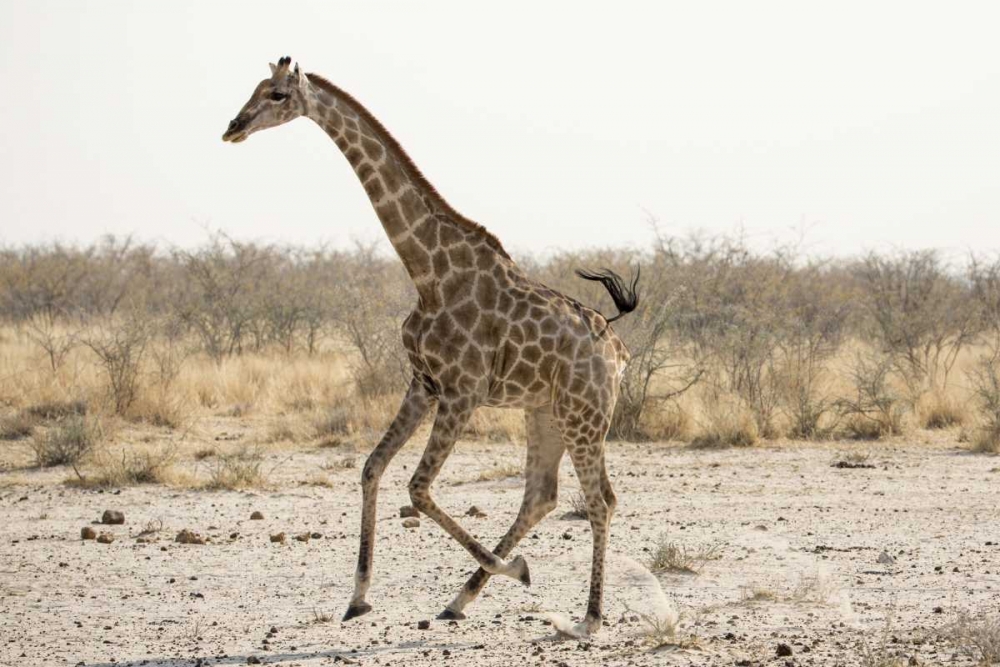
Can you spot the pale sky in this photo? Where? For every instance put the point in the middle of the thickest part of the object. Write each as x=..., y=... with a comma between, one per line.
x=557, y=125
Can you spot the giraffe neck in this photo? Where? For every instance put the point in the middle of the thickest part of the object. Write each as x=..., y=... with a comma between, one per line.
x=415, y=217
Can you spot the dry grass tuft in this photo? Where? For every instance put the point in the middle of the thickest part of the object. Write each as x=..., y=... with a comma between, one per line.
x=756, y=593
x=985, y=381
x=242, y=469
x=501, y=470
x=661, y=631
x=876, y=410
x=496, y=425
x=203, y=453
x=940, y=411
x=854, y=459
x=578, y=503
x=50, y=410
x=814, y=588
x=66, y=442
x=17, y=427
x=161, y=408
x=880, y=653
x=321, y=616
x=132, y=468
x=977, y=636
x=986, y=440
x=318, y=479
x=670, y=423
x=334, y=423
x=677, y=558
x=726, y=424
x=281, y=431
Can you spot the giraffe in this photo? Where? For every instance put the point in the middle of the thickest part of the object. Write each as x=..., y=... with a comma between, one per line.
x=482, y=334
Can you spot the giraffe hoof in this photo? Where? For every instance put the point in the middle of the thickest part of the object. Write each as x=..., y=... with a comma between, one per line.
x=356, y=610
x=519, y=570
x=451, y=615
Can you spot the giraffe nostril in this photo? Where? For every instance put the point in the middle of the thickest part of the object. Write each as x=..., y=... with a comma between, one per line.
x=233, y=123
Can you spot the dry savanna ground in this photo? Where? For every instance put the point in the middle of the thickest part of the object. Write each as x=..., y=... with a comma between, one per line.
x=785, y=552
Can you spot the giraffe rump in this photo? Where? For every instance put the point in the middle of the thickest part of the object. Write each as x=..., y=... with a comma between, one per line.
x=625, y=295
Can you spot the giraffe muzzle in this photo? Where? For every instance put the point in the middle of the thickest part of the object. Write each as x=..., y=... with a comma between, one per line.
x=234, y=133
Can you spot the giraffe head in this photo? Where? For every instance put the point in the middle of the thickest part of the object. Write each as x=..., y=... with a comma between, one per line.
x=275, y=101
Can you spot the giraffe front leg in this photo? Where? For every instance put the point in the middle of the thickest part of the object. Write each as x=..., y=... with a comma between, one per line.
x=451, y=417
x=541, y=488
x=414, y=407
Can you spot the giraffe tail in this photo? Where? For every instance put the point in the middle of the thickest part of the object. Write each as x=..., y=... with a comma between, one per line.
x=624, y=294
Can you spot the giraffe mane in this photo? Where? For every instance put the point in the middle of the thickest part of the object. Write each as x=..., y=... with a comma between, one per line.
x=413, y=171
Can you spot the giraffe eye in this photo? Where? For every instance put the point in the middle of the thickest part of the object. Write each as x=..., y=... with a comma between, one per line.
x=278, y=97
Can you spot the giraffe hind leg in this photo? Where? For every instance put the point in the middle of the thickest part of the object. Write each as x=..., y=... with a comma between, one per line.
x=545, y=451
x=585, y=444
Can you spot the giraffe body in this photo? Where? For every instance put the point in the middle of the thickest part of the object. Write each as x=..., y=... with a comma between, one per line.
x=482, y=334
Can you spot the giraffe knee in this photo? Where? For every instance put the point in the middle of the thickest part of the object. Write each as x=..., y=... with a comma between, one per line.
x=611, y=500
x=372, y=472
x=419, y=493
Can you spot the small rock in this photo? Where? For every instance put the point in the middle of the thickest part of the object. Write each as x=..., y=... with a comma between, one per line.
x=783, y=650
x=304, y=537
x=567, y=536
x=87, y=533
x=256, y=516
x=475, y=512
x=105, y=538
x=885, y=558
x=938, y=610
x=408, y=511
x=423, y=625
x=112, y=517
x=189, y=537
x=411, y=523
x=316, y=536
x=253, y=660
x=279, y=538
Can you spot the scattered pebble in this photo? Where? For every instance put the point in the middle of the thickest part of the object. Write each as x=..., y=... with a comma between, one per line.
x=783, y=650
x=475, y=512
x=257, y=516
x=411, y=523
x=189, y=537
x=105, y=538
x=112, y=517
x=886, y=559
x=87, y=533
x=423, y=625
x=279, y=538
x=408, y=511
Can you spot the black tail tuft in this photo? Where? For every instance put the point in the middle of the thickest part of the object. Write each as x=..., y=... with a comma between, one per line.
x=625, y=296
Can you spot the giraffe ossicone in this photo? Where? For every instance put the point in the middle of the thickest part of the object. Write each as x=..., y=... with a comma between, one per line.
x=481, y=334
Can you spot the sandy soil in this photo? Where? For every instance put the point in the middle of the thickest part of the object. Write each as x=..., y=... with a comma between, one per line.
x=797, y=563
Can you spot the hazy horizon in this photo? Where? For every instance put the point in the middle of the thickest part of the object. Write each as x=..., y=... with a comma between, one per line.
x=558, y=126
